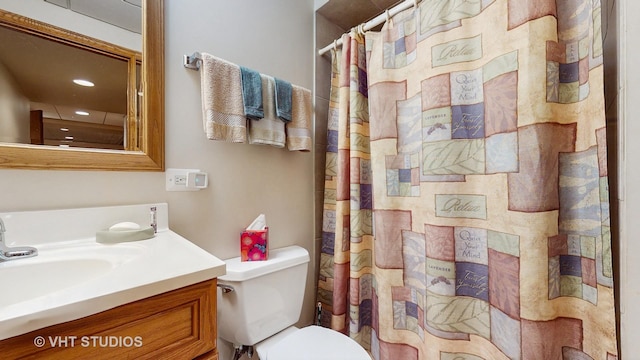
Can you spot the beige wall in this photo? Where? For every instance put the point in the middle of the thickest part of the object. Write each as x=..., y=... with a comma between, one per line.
x=274, y=37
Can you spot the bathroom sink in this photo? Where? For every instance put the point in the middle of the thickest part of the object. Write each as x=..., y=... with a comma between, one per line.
x=59, y=267
x=74, y=276
x=70, y=280
x=28, y=281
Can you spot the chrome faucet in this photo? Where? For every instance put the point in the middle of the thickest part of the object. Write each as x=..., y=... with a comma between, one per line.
x=13, y=253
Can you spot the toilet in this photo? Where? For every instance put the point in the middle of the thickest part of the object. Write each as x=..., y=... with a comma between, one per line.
x=260, y=301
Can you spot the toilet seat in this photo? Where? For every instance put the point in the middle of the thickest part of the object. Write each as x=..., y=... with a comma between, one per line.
x=316, y=343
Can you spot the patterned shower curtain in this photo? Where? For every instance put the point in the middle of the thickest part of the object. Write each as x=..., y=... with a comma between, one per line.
x=486, y=158
x=345, y=283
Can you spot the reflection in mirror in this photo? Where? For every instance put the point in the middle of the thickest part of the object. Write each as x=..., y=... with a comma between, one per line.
x=51, y=105
x=130, y=121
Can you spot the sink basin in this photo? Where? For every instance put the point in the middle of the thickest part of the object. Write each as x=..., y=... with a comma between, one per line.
x=59, y=267
x=33, y=280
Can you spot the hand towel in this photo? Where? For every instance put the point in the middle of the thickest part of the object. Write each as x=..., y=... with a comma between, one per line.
x=270, y=129
x=299, y=129
x=283, y=100
x=252, y=93
x=222, y=108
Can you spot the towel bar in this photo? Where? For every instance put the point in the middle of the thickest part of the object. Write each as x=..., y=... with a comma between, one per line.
x=192, y=61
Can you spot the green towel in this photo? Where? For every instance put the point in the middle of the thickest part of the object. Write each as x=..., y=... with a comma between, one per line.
x=252, y=93
x=283, y=100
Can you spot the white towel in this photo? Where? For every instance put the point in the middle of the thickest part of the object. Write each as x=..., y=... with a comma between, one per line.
x=222, y=106
x=270, y=129
x=299, y=129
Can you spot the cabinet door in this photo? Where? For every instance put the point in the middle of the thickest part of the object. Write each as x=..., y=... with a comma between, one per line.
x=179, y=324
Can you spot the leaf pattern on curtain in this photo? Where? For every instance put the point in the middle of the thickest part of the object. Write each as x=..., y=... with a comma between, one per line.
x=484, y=176
x=458, y=314
x=462, y=157
x=446, y=11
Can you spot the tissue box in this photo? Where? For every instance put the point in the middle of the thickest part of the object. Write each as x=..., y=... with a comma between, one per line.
x=254, y=245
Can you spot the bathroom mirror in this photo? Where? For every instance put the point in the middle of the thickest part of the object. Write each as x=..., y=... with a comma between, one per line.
x=144, y=95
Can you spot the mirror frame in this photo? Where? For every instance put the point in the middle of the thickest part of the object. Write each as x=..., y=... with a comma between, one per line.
x=150, y=156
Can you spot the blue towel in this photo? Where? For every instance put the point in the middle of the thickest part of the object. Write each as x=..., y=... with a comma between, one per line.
x=252, y=93
x=283, y=100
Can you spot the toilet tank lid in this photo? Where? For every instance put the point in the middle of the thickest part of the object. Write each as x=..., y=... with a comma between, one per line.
x=279, y=259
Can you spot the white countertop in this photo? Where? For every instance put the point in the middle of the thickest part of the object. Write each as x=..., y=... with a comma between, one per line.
x=132, y=271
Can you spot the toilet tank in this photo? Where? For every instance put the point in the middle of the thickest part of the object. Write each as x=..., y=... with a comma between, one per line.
x=267, y=295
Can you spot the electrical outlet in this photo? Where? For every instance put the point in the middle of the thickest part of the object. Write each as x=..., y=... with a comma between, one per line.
x=177, y=179
x=180, y=180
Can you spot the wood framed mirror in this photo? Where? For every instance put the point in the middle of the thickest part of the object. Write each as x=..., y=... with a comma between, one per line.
x=145, y=137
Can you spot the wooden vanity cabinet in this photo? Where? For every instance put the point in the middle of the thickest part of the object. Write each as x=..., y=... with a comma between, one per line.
x=180, y=324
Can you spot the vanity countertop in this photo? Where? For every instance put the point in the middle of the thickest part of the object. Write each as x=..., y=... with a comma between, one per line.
x=72, y=279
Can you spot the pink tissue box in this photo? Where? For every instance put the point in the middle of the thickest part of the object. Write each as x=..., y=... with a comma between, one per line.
x=254, y=245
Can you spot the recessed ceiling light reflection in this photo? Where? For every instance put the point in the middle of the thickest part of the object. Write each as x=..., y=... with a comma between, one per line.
x=64, y=129
x=83, y=113
x=68, y=137
x=83, y=82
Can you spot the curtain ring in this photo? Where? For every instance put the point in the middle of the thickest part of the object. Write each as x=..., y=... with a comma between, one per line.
x=335, y=45
x=415, y=4
x=386, y=12
x=361, y=29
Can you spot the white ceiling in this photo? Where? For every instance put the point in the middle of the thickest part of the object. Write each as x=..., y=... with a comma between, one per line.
x=125, y=14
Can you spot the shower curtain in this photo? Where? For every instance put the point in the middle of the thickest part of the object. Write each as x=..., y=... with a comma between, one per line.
x=345, y=284
x=466, y=209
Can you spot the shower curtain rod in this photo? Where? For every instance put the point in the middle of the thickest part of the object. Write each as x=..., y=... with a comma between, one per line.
x=375, y=21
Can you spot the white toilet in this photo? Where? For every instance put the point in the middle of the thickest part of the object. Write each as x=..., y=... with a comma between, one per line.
x=262, y=300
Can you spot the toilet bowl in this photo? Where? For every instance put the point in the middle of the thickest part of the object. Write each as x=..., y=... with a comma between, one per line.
x=263, y=300
x=311, y=343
